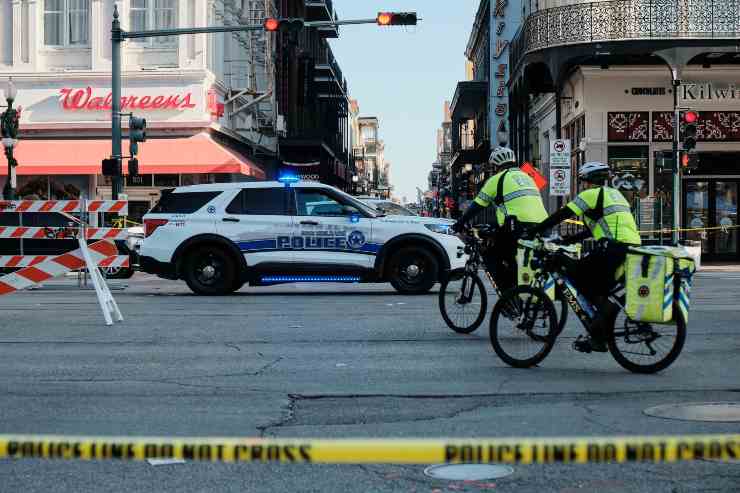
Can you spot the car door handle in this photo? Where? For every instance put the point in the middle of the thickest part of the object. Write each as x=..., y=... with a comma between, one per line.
x=230, y=220
x=309, y=223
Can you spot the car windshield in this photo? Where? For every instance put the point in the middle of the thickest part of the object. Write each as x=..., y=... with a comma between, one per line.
x=393, y=209
x=361, y=206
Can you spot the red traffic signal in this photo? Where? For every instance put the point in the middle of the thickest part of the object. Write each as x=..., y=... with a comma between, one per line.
x=397, y=18
x=691, y=117
x=685, y=160
x=272, y=24
x=284, y=25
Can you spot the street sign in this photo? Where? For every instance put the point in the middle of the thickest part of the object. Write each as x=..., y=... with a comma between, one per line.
x=560, y=153
x=559, y=182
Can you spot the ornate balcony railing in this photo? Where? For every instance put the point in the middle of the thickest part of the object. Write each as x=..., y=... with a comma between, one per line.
x=622, y=20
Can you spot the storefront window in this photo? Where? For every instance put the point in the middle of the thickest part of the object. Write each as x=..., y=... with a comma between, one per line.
x=630, y=171
x=45, y=187
x=664, y=190
x=166, y=180
x=196, y=179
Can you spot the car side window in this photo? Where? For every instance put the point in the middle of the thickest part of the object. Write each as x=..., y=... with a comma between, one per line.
x=260, y=202
x=319, y=203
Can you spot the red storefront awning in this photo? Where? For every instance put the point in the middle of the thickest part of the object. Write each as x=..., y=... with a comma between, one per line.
x=198, y=155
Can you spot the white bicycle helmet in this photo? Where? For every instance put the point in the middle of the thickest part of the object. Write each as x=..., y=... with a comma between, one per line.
x=594, y=172
x=502, y=156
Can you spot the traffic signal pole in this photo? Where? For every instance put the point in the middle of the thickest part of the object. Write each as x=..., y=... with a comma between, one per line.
x=118, y=36
x=676, y=159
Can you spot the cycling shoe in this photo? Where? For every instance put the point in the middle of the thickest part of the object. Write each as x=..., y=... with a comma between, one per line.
x=589, y=345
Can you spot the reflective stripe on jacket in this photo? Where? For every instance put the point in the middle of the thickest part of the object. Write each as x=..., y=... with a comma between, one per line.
x=521, y=198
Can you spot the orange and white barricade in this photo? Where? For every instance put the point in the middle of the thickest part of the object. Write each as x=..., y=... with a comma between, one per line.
x=36, y=269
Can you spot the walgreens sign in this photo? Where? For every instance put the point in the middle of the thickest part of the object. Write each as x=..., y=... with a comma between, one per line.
x=73, y=99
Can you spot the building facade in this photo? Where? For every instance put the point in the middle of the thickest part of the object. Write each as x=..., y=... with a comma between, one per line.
x=604, y=76
x=312, y=99
x=219, y=107
x=470, y=116
x=196, y=92
x=373, y=169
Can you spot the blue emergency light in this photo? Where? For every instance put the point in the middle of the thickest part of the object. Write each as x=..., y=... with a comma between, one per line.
x=288, y=179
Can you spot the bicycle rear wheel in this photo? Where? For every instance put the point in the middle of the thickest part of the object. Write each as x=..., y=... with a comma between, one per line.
x=646, y=348
x=523, y=326
x=463, y=303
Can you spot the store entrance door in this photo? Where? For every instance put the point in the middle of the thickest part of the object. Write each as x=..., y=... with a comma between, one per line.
x=712, y=203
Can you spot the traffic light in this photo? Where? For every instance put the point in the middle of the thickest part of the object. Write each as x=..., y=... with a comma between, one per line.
x=283, y=25
x=397, y=18
x=690, y=120
x=689, y=161
x=136, y=133
x=133, y=167
x=111, y=167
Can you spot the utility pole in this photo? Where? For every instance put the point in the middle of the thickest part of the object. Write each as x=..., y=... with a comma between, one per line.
x=676, y=158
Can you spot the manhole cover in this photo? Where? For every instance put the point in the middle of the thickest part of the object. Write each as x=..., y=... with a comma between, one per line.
x=468, y=472
x=721, y=412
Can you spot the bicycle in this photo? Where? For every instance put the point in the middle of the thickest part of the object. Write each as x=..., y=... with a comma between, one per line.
x=532, y=316
x=463, y=294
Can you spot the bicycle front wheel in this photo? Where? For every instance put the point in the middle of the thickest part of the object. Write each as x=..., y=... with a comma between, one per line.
x=646, y=348
x=524, y=326
x=463, y=303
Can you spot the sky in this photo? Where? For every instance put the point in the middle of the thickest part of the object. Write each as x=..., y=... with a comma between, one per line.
x=403, y=75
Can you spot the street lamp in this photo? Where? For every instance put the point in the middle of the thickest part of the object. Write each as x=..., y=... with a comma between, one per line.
x=468, y=168
x=9, y=124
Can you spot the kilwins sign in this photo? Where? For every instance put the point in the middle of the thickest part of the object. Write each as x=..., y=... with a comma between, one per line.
x=708, y=91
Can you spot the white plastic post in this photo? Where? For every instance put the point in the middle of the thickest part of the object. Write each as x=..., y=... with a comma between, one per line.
x=107, y=304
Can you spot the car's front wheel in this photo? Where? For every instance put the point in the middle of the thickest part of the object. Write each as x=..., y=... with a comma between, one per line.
x=210, y=271
x=413, y=270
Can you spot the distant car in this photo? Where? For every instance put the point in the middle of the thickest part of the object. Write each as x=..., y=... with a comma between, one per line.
x=387, y=207
x=218, y=237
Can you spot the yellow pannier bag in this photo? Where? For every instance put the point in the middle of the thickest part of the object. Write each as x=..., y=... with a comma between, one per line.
x=526, y=274
x=655, y=278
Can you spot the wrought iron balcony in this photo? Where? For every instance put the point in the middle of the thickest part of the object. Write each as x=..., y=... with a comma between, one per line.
x=622, y=20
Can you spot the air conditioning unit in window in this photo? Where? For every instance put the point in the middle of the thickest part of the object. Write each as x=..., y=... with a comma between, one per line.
x=280, y=125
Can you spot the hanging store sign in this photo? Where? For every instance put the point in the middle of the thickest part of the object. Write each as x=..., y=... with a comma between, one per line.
x=72, y=99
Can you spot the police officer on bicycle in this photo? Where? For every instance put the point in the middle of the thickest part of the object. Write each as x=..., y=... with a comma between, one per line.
x=607, y=215
x=515, y=196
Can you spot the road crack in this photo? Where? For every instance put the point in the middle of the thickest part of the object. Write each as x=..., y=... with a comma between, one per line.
x=288, y=417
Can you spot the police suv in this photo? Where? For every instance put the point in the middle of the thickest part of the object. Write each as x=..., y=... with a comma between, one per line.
x=219, y=237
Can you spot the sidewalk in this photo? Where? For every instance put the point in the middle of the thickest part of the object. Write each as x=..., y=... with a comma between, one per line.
x=720, y=267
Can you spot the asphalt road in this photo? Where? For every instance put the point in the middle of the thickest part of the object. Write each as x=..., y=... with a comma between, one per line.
x=335, y=361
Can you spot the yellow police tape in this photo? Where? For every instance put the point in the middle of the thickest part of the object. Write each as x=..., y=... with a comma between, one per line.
x=377, y=451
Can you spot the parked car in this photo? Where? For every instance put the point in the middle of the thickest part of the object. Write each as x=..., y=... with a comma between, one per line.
x=218, y=237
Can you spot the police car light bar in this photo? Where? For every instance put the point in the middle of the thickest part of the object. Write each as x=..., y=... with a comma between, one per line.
x=272, y=279
x=289, y=179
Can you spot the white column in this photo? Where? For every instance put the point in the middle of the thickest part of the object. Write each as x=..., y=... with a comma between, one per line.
x=202, y=7
x=99, y=33
x=18, y=34
x=183, y=42
x=35, y=31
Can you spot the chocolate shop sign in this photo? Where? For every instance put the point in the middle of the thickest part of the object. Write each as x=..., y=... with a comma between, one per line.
x=708, y=91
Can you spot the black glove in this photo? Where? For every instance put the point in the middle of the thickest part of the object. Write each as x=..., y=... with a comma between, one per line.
x=458, y=227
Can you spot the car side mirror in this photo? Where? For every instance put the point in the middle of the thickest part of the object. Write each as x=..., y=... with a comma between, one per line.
x=381, y=210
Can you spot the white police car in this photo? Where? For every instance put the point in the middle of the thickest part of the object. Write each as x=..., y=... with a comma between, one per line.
x=218, y=237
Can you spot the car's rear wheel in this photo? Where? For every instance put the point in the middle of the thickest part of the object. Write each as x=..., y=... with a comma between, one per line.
x=413, y=270
x=210, y=271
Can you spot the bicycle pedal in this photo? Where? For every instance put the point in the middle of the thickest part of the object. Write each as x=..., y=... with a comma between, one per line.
x=582, y=345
